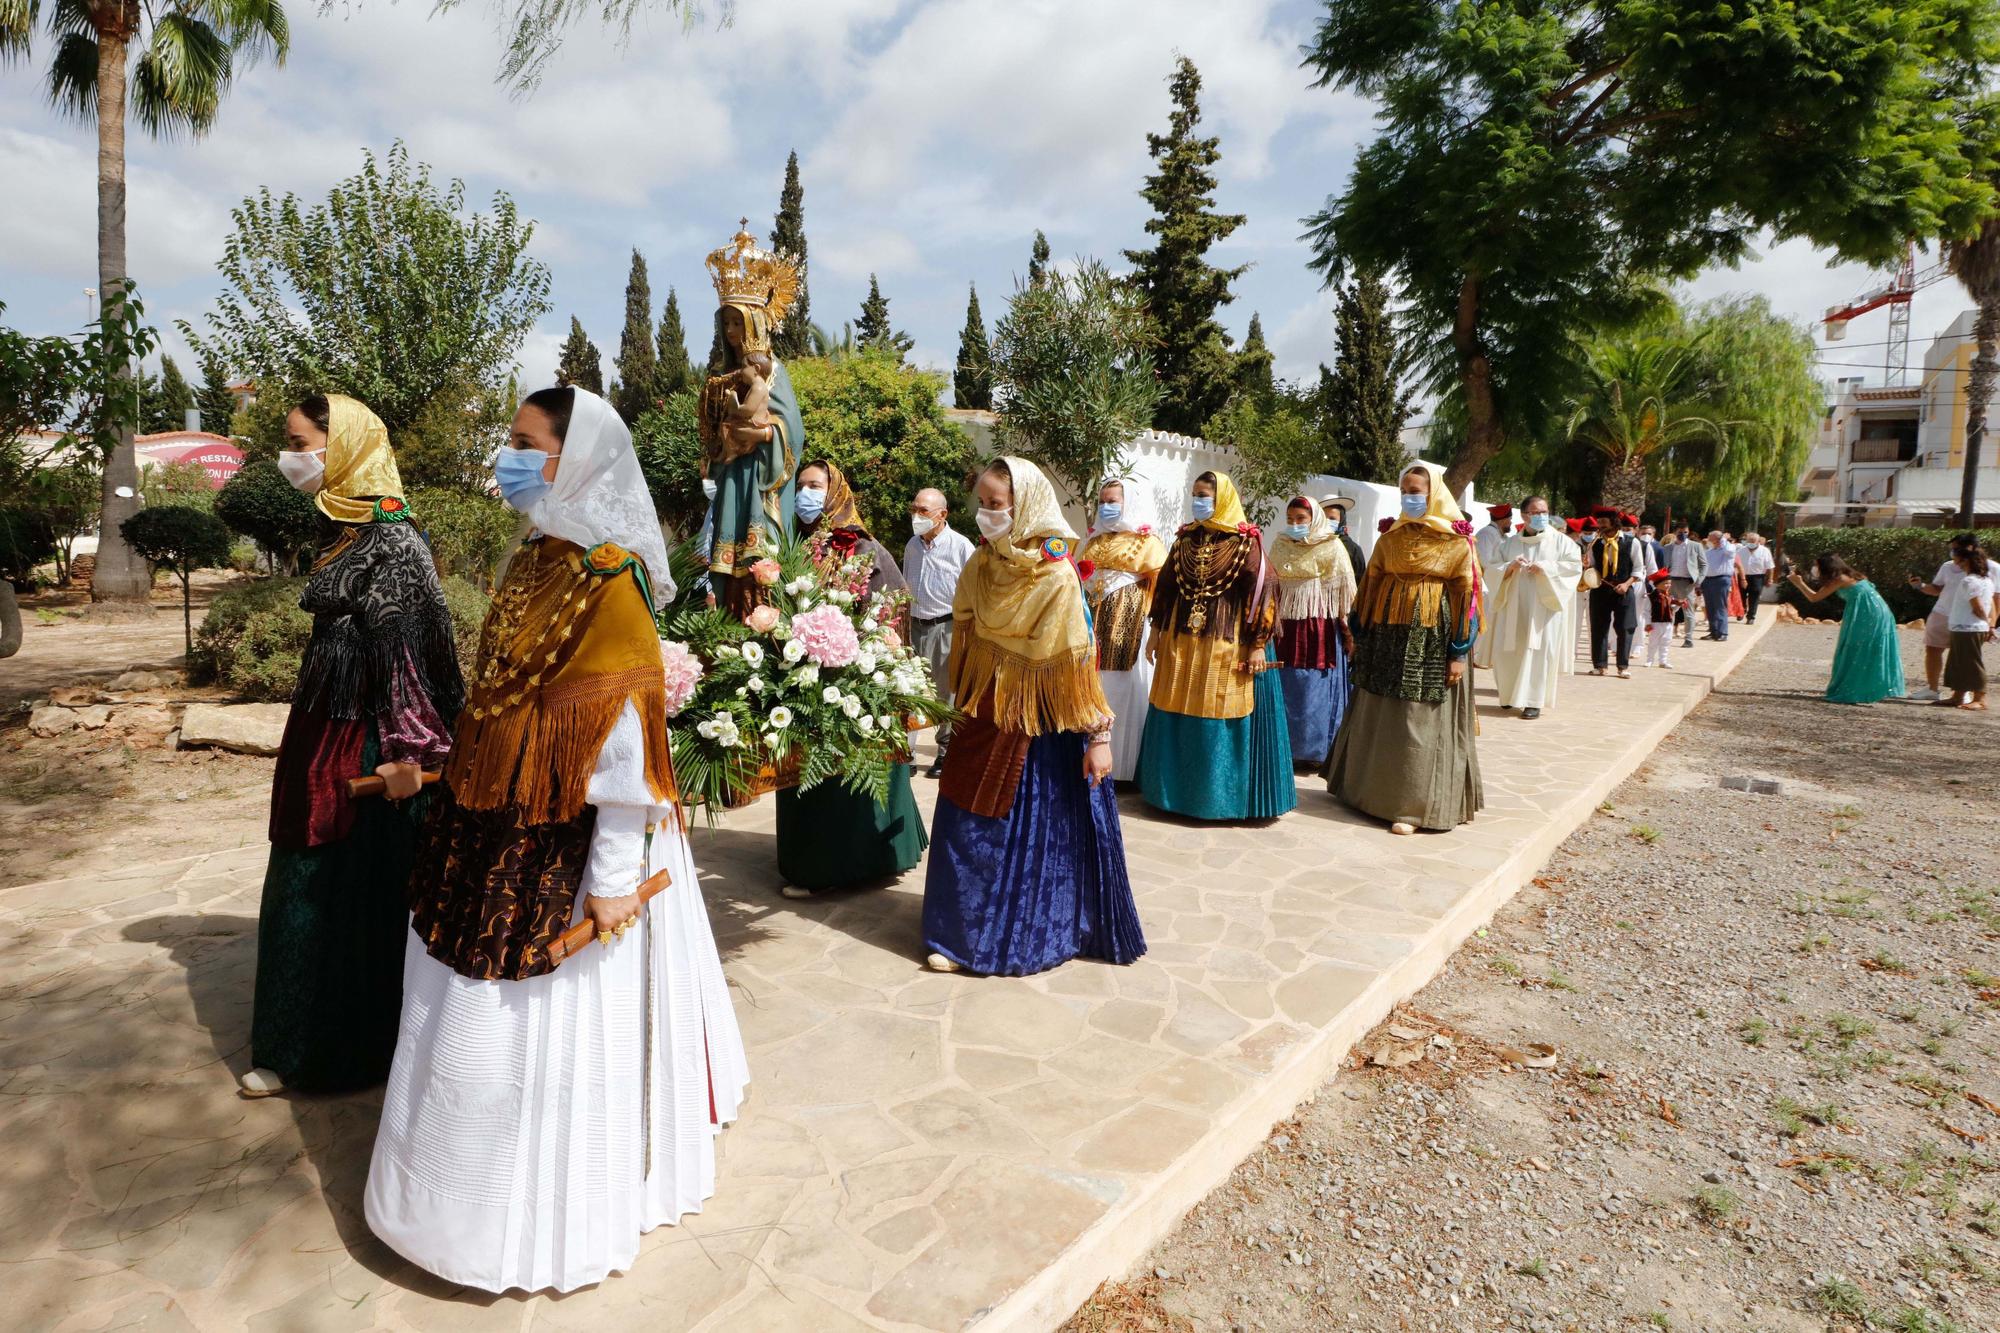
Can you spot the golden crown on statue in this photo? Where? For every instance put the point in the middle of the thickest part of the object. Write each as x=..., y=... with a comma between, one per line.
x=746, y=274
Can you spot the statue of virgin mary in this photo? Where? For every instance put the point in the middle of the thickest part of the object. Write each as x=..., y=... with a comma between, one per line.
x=753, y=461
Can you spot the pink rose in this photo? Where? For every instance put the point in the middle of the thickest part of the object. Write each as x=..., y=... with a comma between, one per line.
x=766, y=571
x=890, y=637
x=763, y=619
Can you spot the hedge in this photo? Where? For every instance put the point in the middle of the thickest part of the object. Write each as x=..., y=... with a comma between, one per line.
x=1887, y=556
x=253, y=637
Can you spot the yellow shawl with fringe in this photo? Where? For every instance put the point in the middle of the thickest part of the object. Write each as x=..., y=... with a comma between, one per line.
x=1020, y=631
x=567, y=643
x=360, y=466
x=1420, y=576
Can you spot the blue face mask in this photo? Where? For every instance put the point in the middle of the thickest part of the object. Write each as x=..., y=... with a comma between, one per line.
x=519, y=473
x=1538, y=522
x=1416, y=506
x=1107, y=514
x=809, y=505
x=1204, y=508
x=1297, y=531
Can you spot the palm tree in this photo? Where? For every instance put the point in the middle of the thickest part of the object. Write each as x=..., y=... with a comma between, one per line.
x=1632, y=410
x=1975, y=262
x=171, y=60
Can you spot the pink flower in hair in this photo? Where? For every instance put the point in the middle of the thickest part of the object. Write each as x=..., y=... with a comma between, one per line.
x=827, y=636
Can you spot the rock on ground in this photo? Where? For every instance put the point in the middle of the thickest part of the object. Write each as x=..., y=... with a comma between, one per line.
x=1775, y=1098
x=244, y=728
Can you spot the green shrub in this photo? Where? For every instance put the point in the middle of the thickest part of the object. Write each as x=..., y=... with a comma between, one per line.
x=244, y=556
x=185, y=484
x=467, y=532
x=259, y=503
x=254, y=636
x=1887, y=556
x=27, y=538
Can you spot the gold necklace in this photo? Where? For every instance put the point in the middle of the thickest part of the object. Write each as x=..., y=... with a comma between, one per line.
x=1201, y=579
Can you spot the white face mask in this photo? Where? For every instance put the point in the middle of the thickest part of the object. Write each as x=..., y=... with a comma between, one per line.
x=708, y=488
x=994, y=523
x=922, y=526
x=305, y=469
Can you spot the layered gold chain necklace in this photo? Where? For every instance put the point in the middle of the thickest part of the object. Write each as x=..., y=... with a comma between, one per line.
x=1201, y=577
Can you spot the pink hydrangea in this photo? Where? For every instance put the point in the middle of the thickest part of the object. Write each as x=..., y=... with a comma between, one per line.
x=827, y=636
x=683, y=674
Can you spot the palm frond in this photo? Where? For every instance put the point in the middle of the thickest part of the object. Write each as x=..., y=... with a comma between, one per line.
x=72, y=83
x=17, y=27
x=179, y=79
x=253, y=28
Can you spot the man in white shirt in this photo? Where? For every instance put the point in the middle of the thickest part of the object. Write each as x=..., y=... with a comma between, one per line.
x=1486, y=545
x=1687, y=565
x=1754, y=559
x=932, y=561
x=1715, y=585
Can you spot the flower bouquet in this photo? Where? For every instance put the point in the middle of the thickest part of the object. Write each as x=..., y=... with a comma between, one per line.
x=815, y=683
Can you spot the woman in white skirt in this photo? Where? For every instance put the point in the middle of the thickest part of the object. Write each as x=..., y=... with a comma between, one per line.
x=543, y=1113
x=1122, y=556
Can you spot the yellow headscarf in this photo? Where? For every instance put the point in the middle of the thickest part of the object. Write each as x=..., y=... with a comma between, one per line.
x=1443, y=510
x=1228, y=515
x=1021, y=628
x=360, y=467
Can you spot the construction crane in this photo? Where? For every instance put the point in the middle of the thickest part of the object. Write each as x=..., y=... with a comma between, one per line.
x=1896, y=294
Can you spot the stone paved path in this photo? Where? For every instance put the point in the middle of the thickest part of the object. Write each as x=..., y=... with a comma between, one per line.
x=918, y=1151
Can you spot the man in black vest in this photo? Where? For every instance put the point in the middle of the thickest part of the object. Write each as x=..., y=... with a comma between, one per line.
x=1615, y=557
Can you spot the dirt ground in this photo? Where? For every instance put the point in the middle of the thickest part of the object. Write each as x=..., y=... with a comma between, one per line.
x=71, y=805
x=1774, y=1098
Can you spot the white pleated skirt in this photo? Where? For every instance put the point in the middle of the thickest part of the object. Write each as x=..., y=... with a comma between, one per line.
x=1127, y=693
x=511, y=1152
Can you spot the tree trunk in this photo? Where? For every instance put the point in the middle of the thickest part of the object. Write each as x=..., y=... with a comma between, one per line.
x=10, y=620
x=1483, y=435
x=1978, y=392
x=1625, y=485
x=187, y=615
x=121, y=576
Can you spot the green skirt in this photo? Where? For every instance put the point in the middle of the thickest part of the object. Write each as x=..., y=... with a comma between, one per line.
x=1399, y=760
x=829, y=837
x=330, y=939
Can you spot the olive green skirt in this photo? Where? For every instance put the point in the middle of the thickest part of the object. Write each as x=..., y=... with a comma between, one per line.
x=829, y=837
x=1414, y=762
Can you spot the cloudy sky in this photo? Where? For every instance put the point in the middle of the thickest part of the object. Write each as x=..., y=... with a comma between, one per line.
x=935, y=136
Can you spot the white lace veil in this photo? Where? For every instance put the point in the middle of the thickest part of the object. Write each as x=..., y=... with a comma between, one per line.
x=599, y=494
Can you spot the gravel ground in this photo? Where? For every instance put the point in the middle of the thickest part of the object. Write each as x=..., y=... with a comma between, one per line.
x=1773, y=1104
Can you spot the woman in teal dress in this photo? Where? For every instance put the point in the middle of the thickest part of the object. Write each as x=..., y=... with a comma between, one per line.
x=1868, y=660
x=831, y=837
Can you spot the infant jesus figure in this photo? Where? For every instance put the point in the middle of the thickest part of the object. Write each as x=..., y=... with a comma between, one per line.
x=736, y=409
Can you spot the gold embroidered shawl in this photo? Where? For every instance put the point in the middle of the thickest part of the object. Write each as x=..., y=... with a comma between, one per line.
x=567, y=643
x=1420, y=576
x=1020, y=628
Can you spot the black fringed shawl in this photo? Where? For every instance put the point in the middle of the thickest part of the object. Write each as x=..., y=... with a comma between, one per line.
x=1230, y=607
x=376, y=601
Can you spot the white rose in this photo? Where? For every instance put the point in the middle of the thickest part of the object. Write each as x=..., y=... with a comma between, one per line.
x=808, y=675
x=794, y=651
x=726, y=650
x=757, y=685
x=880, y=678
x=706, y=729
x=885, y=721
x=753, y=653
x=831, y=694
x=770, y=740
x=864, y=661
x=781, y=717
x=870, y=625
x=742, y=691
x=867, y=723
x=850, y=706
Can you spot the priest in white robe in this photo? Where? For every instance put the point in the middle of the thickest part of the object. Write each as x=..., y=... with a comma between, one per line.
x=1486, y=543
x=1530, y=610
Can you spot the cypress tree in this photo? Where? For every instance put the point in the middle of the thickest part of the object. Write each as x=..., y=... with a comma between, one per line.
x=1255, y=375
x=972, y=382
x=874, y=329
x=674, y=371
x=788, y=237
x=1362, y=399
x=175, y=396
x=1038, y=260
x=637, y=363
x=1182, y=290
x=217, y=404
x=579, y=363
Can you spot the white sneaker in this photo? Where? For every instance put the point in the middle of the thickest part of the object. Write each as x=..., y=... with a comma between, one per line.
x=259, y=1083
x=1666, y=666
x=1924, y=694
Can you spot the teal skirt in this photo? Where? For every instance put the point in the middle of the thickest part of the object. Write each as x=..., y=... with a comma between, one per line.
x=1868, y=660
x=1214, y=768
x=330, y=938
x=830, y=837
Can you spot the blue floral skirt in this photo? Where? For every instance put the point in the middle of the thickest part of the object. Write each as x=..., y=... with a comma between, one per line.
x=1041, y=885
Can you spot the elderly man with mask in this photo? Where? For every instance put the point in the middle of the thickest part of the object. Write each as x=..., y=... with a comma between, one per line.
x=933, y=559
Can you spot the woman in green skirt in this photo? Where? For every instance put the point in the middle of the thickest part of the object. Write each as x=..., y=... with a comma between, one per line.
x=1867, y=661
x=830, y=837
x=378, y=688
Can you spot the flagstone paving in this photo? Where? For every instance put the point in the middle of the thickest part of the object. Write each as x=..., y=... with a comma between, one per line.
x=918, y=1151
